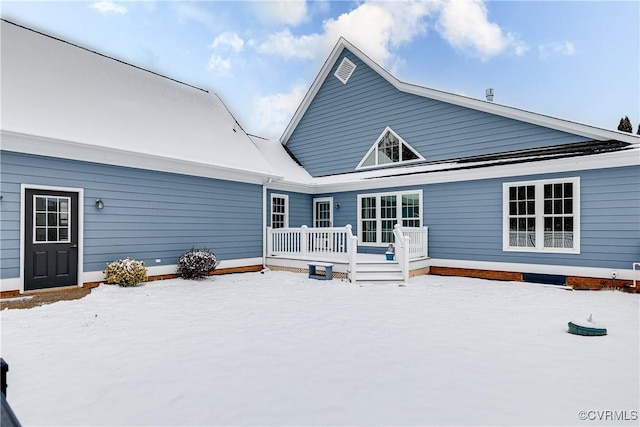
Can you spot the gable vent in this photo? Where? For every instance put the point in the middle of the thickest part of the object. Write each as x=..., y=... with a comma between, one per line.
x=345, y=70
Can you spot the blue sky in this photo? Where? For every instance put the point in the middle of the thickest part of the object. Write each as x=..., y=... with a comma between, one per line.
x=577, y=60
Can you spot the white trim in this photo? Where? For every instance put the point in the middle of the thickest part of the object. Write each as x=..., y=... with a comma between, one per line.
x=480, y=105
x=51, y=147
x=11, y=284
x=345, y=63
x=285, y=197
x=369, y=181
x=560, y=270
x=323, y=199
x=161, y=270
x=539, y=216
x=378, y=243
x=374, y=149
x=80, y=219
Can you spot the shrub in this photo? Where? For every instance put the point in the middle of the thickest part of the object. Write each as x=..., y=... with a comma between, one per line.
x=197, y=263
x=126, y=272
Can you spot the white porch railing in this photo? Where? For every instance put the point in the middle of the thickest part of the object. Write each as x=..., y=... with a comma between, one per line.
x=418, y=241
x=332, y=242
x=339, y=243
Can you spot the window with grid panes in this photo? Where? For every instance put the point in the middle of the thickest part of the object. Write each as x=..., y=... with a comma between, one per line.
x=379, y=213
x=542, y=216
x=279, y=211
x=51, y=219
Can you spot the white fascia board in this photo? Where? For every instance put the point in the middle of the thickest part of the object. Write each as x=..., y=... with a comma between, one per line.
x=571, y=164
x=463, y=101
x=559, y=270
x=49, y=147
x=427, y=175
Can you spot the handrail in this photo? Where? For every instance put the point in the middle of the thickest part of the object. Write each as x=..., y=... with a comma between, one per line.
x=352, y=249
x=418, y=241
x=403, y=242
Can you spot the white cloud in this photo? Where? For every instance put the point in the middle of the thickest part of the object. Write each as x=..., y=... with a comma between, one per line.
x=465, y=25
x=228, y=40
x=290, y=12
x=565, y=48
x=228, y=43
x=285, y=44
x=273, y=112
x=219, y=64
x=376, y=28
x=107, y=7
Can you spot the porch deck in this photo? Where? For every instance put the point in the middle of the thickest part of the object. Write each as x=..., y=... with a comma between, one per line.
x=294, y=248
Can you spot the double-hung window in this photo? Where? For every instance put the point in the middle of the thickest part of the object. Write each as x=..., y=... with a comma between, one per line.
x=379, y=213
x=279, y=211
x=542, y=216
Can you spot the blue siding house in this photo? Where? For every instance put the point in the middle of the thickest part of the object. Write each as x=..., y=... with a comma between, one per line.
x=498, y=192
x=102, y=160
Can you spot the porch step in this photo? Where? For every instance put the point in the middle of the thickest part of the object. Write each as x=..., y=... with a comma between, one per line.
x=378, y=272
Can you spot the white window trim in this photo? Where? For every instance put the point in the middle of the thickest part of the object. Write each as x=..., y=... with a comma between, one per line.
x=398, y=194
x=374, y=148
x=539, y=217
x=23, y=189
x=286, y=208
x=323, y=199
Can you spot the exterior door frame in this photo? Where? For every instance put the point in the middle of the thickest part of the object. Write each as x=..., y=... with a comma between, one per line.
x=323, y=199
x=80, y=219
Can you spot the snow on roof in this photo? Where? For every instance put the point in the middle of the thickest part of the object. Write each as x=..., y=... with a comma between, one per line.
x=62, y=92
x=281, y=161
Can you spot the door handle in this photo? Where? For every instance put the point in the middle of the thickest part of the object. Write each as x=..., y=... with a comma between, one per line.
x=73, y=246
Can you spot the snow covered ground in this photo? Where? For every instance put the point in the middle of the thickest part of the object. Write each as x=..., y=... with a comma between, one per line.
x=280, y=349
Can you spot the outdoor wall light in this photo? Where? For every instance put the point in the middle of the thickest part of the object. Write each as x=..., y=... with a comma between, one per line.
x=99, y=204
x=337, y=205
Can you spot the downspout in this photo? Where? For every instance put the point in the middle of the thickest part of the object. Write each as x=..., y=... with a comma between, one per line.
x=264, y=221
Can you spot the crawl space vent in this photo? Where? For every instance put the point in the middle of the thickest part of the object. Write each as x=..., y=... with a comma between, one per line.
x=345, y=70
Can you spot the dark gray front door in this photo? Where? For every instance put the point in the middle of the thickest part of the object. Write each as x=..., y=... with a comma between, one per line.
x=51, y=239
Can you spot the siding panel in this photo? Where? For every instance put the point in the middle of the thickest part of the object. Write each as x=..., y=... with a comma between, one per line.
x=465, y=219
x=344, y=120
x=147, y=215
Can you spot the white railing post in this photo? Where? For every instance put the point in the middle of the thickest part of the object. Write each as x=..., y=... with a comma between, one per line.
x=304, y=239
x=269, y=242
x=425, y=242
x=405, y=258
x=352, y=249
x=402, y=250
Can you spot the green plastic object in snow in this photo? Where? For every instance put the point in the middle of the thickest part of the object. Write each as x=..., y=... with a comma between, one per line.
x=588, y=328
